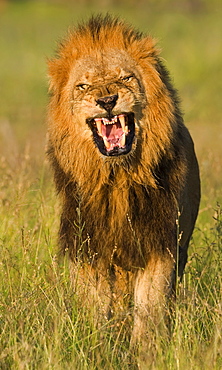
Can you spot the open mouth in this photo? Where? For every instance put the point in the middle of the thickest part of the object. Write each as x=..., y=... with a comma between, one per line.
x=113, y=136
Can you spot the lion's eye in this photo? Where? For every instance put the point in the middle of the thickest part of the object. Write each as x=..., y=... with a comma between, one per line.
x=81, y=87
x=127, y=78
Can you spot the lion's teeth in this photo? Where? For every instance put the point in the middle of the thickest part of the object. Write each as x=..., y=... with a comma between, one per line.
x=123, y=140
x=99, y=125
x=106, y=121
x=106, y=142
x=122, y=121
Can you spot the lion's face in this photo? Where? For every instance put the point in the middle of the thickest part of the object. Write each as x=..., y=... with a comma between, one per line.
x=107, y=97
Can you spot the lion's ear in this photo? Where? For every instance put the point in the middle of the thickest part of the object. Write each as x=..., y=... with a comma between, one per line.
x=145, y=48
x=151, y=46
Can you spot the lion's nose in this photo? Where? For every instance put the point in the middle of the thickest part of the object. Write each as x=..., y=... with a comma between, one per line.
x=107, y=102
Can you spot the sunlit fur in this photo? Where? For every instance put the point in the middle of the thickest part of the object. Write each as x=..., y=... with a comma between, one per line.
x=121, y=212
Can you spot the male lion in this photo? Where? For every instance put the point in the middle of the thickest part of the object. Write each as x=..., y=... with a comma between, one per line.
x=125, y=167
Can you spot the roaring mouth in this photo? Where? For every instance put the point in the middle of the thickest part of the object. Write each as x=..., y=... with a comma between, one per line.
x=113, y=136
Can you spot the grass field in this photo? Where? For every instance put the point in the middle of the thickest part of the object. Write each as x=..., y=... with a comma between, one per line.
x=42, y=325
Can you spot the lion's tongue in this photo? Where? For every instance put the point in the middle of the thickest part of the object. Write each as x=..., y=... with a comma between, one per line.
x=113, y=136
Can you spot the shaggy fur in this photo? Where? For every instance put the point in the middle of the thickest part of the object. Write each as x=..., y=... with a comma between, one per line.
x=123, y=209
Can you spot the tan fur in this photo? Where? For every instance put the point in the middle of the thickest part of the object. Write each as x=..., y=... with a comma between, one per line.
x=120, y=213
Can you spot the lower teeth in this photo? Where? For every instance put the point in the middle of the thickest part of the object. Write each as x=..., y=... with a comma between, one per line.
x=123, y=140
x=106, y=142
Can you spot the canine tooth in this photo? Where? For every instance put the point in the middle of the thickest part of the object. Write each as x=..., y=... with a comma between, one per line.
x=126, y=129
x=107, y=144
x=122, y=121
x=123, y=140
x=99, y=125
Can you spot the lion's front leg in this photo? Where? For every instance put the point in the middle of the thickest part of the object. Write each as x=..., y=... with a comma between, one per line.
x=153, y=286
x=92, y=289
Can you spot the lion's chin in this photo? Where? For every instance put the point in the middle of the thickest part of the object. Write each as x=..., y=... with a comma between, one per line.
x=115, y=135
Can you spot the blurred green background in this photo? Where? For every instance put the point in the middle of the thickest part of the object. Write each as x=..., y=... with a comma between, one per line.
x=189, y=32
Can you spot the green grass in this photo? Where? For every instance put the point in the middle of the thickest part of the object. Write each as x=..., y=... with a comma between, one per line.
x=42, y=325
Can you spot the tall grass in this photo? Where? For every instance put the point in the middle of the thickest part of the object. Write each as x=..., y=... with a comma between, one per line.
x=42, y=323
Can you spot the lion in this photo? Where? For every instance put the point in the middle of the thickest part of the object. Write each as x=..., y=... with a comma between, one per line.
x=125, y=167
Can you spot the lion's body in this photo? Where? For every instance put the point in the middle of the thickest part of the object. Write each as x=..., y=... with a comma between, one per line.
x=121, y=193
